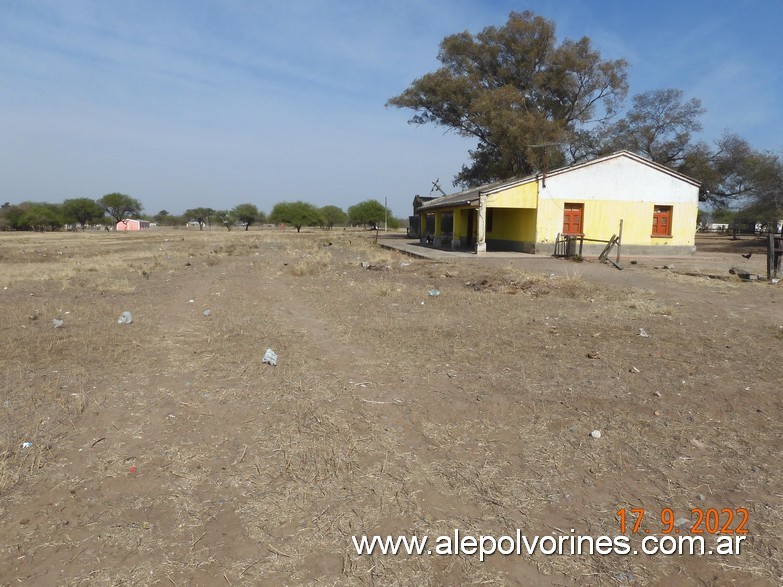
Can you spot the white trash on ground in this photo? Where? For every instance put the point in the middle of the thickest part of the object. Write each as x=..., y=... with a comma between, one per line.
x=270, y=357
x=125, y=318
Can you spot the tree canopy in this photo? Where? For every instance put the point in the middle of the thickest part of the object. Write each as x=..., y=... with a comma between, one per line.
x=120, y=206
x=515, y=90
x=297, y=214
x=200, y=215
x=367, y=212
x=332, y=215
x=81, y=211
x=247, y=214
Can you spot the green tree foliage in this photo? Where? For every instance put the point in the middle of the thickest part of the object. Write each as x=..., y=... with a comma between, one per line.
x=82, y=211
x=333, y=215
x=226, y=218
x=367, y=212
x=297, y=214
x=38, y=216
x=513, y=88
x=247, y=214
x=120, y=206
x=200, y=215
x=163, y=217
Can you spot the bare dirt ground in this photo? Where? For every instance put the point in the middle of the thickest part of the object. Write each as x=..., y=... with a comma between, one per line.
x=164, y=452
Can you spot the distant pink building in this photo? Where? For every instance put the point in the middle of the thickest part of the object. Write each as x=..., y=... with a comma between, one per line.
x=131, y=225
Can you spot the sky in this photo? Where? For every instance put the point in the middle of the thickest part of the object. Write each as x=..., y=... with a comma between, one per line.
x=189, y=103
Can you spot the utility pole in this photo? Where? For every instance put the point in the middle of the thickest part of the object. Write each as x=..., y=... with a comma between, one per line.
x=545, y=162
x=436, y=186
x=385, y=216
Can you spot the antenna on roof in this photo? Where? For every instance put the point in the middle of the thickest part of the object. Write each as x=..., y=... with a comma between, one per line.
x=436, y=186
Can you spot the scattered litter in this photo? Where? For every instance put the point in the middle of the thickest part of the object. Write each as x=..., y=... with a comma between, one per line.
x=634, y=370
x=27, y=445
x=422, y=303
x=634, y=262
x=657, y=413
x=433, y=293
x=698, y=443
x=207, y=313
x=191, y=301
x=57, y=323
x=643, y=333
x=270, y=357
x=132, y=470
x=552, y=276
x=743, y=274
x=404, y=264
x=125, y=318
x=365, y=264
x=590, y=355
x=657, y=393
x=774, y=281
x=595, y=434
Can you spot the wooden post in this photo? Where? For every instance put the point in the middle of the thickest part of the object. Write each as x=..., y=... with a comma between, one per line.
x=619, y=239
x=771, y=256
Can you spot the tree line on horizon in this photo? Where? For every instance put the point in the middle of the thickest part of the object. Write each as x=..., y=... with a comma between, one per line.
x=110, y=209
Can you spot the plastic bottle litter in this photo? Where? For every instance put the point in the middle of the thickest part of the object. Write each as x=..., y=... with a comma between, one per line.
x=643, y=333
x=433, y=293
x=270, y=357
x=57, y=323
x=207, y=313
x=595, y=434
x=125, y=318
x=27, y=445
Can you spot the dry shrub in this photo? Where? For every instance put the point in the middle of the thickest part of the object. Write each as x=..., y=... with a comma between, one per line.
x=313, y=262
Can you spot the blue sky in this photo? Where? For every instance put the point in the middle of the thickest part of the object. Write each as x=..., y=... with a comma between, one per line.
x=214, y=103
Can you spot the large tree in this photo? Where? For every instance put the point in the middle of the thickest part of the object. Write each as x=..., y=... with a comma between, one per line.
x=81, y=211
x=524, y=97
x=659, y=125
x=200, y=215
x=247, y=214
x=333, y=215
x=226, y=218
x=367, y=212
x=120, y=206
x=297, y=214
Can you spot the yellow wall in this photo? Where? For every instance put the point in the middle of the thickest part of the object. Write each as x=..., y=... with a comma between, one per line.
x=521, y=196
x=602, y=219
x=513, y=224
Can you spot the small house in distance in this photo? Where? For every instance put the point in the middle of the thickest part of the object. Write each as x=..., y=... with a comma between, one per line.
x=656, y=205
x=130, y=225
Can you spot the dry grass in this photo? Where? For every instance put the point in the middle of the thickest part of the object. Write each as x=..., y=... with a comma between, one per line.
x=390, y=412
